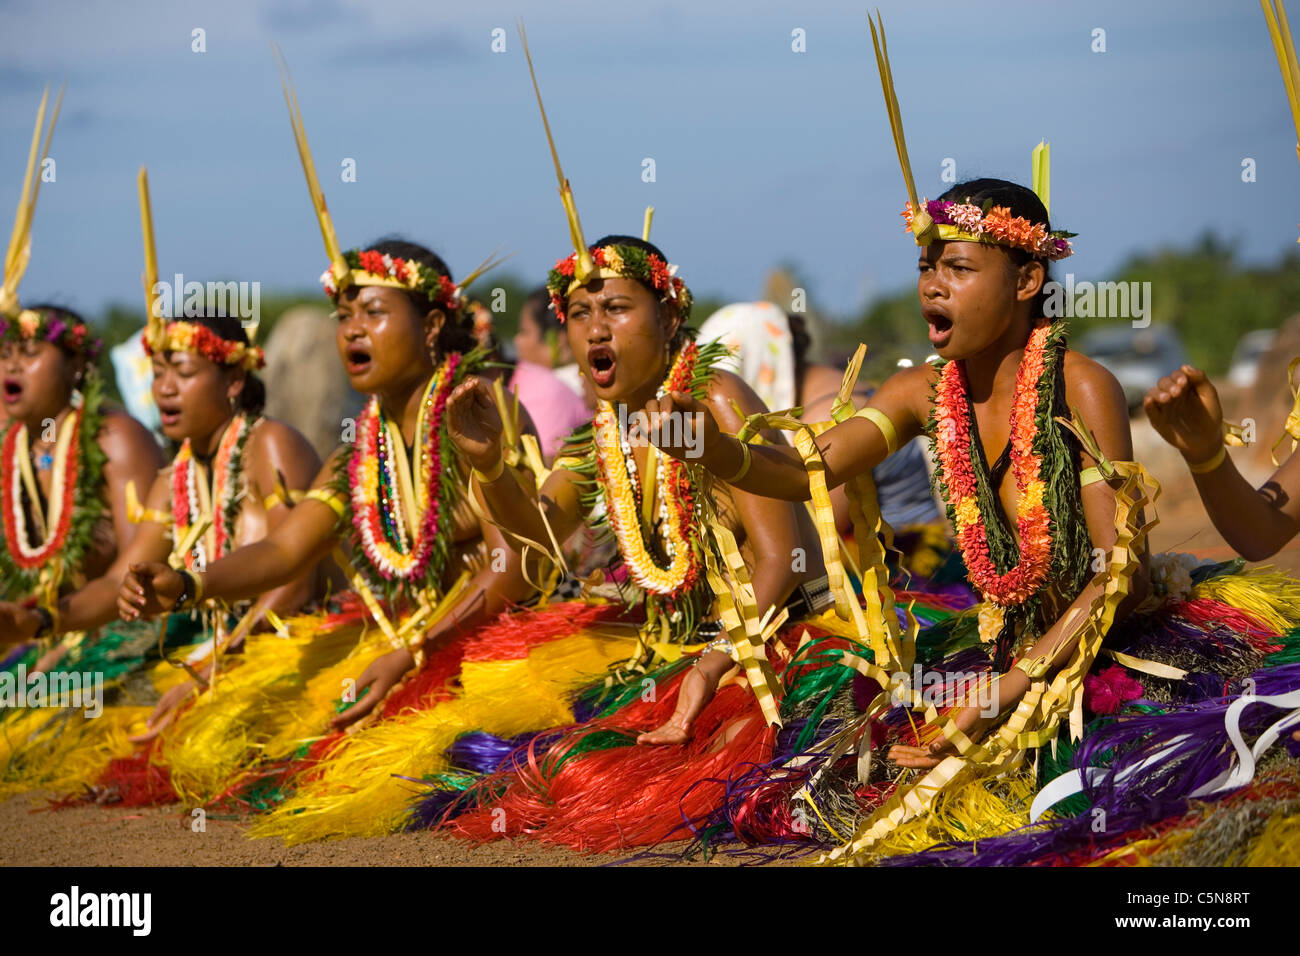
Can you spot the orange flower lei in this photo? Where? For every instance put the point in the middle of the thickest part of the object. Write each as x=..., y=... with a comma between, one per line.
x=956, y=476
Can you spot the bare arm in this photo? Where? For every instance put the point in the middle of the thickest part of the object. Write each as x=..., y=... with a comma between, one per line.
x=276, y=449
x=1184, y=408
x=301, y=540
x=848, y=449
x=133, y=456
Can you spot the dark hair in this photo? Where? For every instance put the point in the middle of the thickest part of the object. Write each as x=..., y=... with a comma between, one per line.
x=252, y=399
x=538, y=304
x=1021, y=202
x=800, y=341
x=684, y=334
x=457, y=333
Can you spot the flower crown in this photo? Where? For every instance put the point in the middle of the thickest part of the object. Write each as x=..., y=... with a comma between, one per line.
x=619, y=261
x=368, y=267
x=50, y=325
x=192, y=337
x=992, y=224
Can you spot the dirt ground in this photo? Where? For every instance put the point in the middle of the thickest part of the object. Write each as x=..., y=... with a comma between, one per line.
x=96, y=836
x=31, y=835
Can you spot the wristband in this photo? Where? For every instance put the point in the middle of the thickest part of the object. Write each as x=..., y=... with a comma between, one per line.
x=884, y=423
x=486, y=478
x=49, y=621
x=1033, y=667
x=747, y=459
x=1208, y=466
x=191, y=591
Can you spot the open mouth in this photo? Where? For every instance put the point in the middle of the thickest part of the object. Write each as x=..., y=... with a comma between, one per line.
x=13, y=391
x=600, y=359
x=358, y=359
x=940, y=328
x=170, y=414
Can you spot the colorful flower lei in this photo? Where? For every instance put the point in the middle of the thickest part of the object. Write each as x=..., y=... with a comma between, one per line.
x=377, y=509
x=227, y=472
x=193, y=337
x=956, y=476
x=615, y=468
x=50, y=325
x=376, y=268
x=993, y=224
x=76, y=493
x=630, y=262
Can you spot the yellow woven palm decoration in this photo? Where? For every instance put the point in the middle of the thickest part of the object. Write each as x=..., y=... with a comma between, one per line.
x=1279, y=30
x=19, y=251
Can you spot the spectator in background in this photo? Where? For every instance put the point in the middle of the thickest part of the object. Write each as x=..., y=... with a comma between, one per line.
x=771, y=355
x=541, y=341
x=555, y=408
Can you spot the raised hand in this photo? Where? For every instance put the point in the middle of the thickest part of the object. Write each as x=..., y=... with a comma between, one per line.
x=380, y=677
x=474, y=423
x=679, y=425
x=149, y=589
x=1184, y=409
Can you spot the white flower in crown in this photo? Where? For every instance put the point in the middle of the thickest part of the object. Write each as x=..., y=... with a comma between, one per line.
x=327, y=280
x=672, y=285
x=388, y=263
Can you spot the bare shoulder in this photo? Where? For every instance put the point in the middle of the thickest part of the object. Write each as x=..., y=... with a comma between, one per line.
x=727, y=387
x=122, y=438
x=910, y=387
x=1098, y=397
x=1088, y=384
x=279, y=440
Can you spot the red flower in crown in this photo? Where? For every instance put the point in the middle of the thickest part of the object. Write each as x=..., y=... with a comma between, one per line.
x=399, y=268
x=373, y=263
x=565, y=266
x=598, y=255
x=446, y=291
x=658, y=271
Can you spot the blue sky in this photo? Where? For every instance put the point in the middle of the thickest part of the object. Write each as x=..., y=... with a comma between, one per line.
x=762, y=155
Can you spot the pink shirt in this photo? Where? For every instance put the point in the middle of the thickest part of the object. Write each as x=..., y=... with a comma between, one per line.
x=552, y=405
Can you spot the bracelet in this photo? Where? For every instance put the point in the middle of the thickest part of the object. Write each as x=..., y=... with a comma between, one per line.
x=747, y=460
x=191, y=592
x=49, y=621
x=1208, y=466
x=493, y=475
x=884, y=423
x=1033, y=667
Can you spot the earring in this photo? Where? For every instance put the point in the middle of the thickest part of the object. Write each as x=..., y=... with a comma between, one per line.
x=76, y=400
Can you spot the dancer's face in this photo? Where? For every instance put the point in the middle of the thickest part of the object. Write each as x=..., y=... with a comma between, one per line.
x=385, y=343
x=195, y=396
x=969, y=294
x=38, y=378
x=620, y=334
